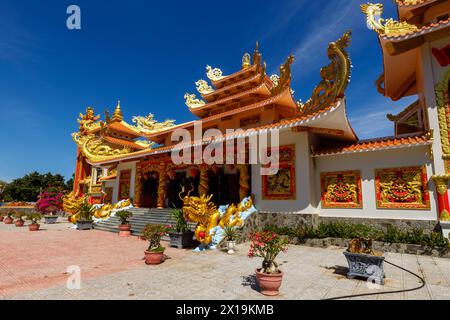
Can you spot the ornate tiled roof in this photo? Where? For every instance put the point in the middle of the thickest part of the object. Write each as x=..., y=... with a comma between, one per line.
x=385, y=143
x=419, y=32
x=412, y=2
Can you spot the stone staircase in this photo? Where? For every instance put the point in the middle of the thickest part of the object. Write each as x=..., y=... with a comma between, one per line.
x=141, y=217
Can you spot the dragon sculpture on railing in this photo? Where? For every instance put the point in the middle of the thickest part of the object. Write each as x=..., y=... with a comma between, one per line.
x=212, y=221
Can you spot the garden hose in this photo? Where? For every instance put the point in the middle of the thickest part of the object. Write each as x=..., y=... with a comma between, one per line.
x=386, y=292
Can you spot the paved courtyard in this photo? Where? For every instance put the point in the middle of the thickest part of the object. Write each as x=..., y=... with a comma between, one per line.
x=34, y=265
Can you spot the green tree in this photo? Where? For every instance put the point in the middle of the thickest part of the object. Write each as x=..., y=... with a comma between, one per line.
x=3, y=185
x=28, y=187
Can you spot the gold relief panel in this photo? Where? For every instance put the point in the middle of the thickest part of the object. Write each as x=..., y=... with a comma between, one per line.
x=341, y=189
x=402, y=188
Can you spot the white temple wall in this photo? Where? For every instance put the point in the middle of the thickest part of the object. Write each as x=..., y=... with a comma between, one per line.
x=367, y=163
x=304, y=179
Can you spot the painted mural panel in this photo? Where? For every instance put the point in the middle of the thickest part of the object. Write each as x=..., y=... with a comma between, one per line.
x=124, y=184
x=281, y=186
x=402, y=188
x=341, y=189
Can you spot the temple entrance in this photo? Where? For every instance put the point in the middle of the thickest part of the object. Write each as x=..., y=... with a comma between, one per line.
x=224, y=186
x=150, y=190
x=174, y=188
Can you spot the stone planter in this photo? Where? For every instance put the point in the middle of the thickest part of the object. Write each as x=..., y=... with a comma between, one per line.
x=153, y=258
x=19, y=223
x=124, y=230
x=50, y=219
x=84, y=224
x=269, y=283
x=181, y=240
x=34, y=226
x=231, y=245
x=8, y=220
x=366, y=266
x=445, y=225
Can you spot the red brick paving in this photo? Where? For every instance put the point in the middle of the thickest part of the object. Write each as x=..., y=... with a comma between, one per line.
x=36, y=260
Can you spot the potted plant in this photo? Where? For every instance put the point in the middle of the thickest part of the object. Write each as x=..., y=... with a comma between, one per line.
x=230, y=236
x=49, y=203
x=19, y=221
x=363, y=261
x=180, y=235
x=155, y=252
x=267, y=245
x=85, y=211
x=125, y=226
x=34, y=218
x=8, y=219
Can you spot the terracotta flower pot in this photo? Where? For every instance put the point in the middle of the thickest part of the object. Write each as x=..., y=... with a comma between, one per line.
x=154, y=257
x=34, y=227
x=124, y=230
x=269, y=283
x=2, y=218
x=19, y=223
x=8, y=220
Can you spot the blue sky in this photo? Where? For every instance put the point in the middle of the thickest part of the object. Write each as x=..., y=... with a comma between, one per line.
x=149, y=53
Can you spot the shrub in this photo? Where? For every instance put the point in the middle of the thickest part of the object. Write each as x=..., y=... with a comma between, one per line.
x=85, y=210
x=18, y=215
x=34, y=217
x=50, y=202
x=153, y=233
x=267, y=245
x=230, y=233
x=181, y=223
x=124, y=216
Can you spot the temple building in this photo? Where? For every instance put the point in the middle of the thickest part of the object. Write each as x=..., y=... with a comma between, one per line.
x=325, y=171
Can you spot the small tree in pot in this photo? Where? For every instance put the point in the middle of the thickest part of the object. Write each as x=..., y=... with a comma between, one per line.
x=34, y=218
x=85, y=211
x=125, y=226
x=8, y=219
x=19, y=221
x=49, y=203
x=180, y=235
x=267, y=245
x=155, y=252
x=230, y=236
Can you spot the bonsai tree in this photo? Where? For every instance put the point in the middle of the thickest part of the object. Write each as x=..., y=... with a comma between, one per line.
x=85, y=210
x=181, y=225
x=230, y=233
x=124, y=216
x=153, y=233
x=50, y=202
x=34, y=217
x=267, y=245
x=18, y=215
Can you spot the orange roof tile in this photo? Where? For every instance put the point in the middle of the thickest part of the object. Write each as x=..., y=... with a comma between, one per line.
x=412, y=2
x=374, y=145
x=286, y=123
x=120, y=126
x=234, y=75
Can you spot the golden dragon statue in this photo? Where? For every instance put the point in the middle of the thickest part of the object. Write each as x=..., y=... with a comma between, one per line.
x=208, y=218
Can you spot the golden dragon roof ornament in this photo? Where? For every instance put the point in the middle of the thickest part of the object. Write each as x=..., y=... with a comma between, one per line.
x=214, y=74
x=89, y=121
x=96, y=149
x=149, y=125
x=335, y=77
x=203, y=87
x=284, y=80
x=192, y=102
x=390, y=27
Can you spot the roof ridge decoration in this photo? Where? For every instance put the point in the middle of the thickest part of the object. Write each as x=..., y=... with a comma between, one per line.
x=95, y=148
x=284, y=79
x=149, y=125
x=214, y=74
x=117, y=115
x=335, y=77
x=89, y=121
x=411, y=2
x=193, y=102
x=203, y=87
x=390, y=27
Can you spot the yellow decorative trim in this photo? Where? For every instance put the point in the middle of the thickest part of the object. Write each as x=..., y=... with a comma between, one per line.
x=441, y=183
x=192, y=102
x=203, y=87
x=94, y=148
x=214, y=74
x=441, y=91
x=149, y=125
x=390, y=27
